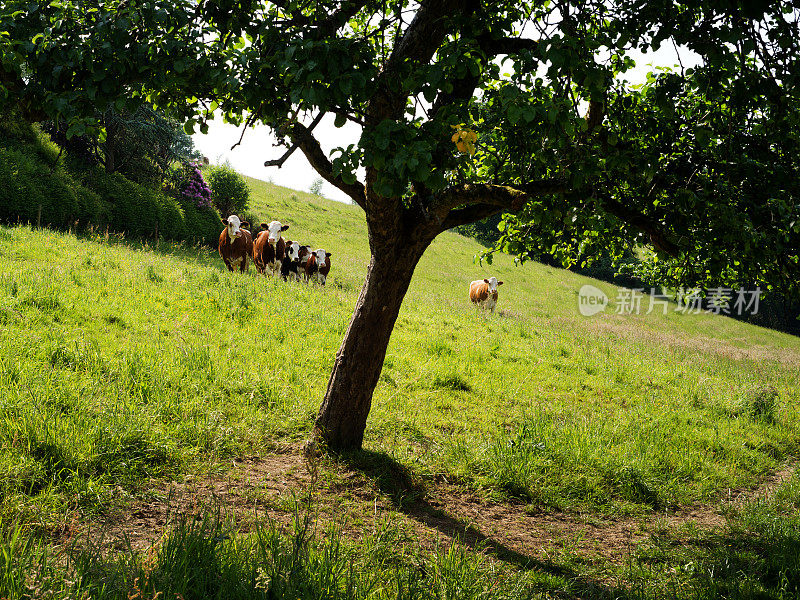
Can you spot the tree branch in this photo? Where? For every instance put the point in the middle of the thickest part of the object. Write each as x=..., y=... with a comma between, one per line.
x=470, y=214
x=417, y=46
x=641, y=222
x=308, y=144
x=278, y=162
x=331, y=23
x=471, y=202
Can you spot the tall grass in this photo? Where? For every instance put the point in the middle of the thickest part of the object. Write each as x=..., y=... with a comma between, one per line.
x=202, y=557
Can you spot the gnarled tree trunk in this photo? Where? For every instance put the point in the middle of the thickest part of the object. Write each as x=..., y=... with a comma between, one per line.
x=343, y=415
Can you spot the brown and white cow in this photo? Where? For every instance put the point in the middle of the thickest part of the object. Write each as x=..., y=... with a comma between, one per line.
x=484, y=292
x=318, y=266
x=235, y=243
x=269, y=248
x=295, y=260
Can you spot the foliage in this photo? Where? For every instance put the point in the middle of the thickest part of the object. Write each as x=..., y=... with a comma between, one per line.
x=34, y=185
x=194, y=188
x=135, y=209
x=229, y=191
x=316, y=186
x=202, y=225
x=140, y=145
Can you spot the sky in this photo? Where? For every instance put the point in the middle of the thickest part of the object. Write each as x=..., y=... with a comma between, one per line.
x=258, y=145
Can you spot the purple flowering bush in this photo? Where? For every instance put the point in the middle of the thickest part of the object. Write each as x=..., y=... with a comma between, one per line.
x=195, y=188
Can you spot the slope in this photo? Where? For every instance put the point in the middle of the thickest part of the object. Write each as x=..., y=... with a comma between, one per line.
x=122, y=362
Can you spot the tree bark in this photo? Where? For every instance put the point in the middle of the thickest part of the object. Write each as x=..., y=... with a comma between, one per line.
x=343, y=415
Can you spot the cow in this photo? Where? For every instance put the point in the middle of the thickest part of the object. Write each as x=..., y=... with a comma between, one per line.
x=318, y=266
x=269, y=247
x=235, y=243
x=296, y=257
x=484, y=292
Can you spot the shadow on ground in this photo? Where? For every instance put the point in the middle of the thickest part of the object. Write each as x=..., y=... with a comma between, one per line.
x=408, y=495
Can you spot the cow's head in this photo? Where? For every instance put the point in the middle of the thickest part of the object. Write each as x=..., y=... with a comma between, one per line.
x=292, y=251
x=320, y=255
x=274, y=229
x=492, y=283
x=234, y=226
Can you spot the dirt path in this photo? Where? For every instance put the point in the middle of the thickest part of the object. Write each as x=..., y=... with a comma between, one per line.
x=271, y=486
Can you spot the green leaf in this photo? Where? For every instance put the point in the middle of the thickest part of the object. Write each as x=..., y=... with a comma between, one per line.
x=340, y=120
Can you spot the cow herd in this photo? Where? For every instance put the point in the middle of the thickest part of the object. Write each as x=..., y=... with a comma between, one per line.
x=271, y=253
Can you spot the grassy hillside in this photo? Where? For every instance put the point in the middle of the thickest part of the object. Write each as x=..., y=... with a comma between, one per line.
x=123, y=365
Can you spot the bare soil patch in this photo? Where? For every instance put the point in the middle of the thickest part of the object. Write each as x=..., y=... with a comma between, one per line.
x=437, y=512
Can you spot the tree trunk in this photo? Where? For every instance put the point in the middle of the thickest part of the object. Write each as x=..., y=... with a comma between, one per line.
x=343, y=415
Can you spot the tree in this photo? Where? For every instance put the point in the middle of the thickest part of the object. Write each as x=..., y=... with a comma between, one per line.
x=467, y=109
x=141, y=145
x=229, y=190
x=316, y=186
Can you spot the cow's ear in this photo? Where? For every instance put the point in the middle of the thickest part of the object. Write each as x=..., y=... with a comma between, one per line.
x=224, y=222
x=499, y=283
x=284, y=228
x=328, y=254
x=245, y=224
x=485, y=281
x=264, y=226
x=289, y=243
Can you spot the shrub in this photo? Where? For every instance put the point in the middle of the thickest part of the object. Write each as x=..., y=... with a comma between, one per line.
x=202, y=224
x=172, y=221
x=28, y=185
x=229, y=190
x=194, y=187
x=133, y=208
x=91, y=207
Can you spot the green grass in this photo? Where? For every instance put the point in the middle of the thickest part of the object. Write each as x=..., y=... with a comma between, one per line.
x=122, y=363
x=756, y=554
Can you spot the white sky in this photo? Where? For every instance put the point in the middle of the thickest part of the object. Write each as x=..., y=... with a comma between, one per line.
x=258, y=144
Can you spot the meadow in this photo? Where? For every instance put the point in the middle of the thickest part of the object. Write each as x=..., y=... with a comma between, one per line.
x=527, y=453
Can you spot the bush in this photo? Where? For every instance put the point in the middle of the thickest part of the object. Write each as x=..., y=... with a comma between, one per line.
x=27, y=186
x=202, y=224
x=229, y=190
x=193, y=187
x=140, y=211
x=133, y=208
x=33, y=175
x=172, y=220
x=91, y=208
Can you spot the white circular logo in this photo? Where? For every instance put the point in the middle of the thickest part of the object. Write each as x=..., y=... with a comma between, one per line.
x=591, y=300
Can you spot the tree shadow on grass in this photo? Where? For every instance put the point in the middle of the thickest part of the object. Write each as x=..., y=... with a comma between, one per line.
x=407, y=493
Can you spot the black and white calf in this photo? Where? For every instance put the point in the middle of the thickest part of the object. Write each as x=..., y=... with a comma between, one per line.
x=294, y=261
